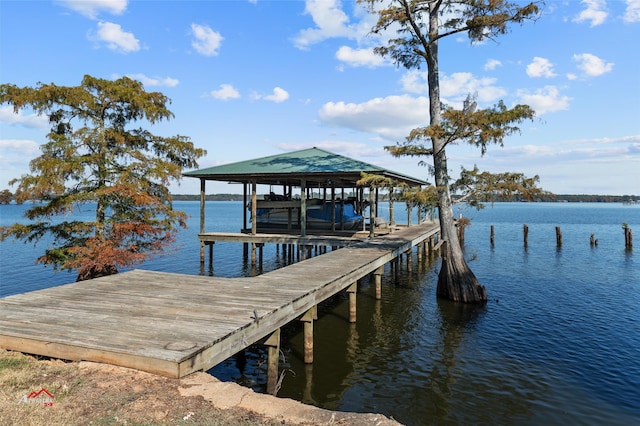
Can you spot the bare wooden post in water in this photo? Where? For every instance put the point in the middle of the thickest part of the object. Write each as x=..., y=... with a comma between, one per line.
x=492, y=236
x=377, y=274
x=202, y=202
x=254, y=220
x=558, y=237
x=628, y=236
x=308, y=318
x=526, y=235
x=353, y=288
x=273, y=343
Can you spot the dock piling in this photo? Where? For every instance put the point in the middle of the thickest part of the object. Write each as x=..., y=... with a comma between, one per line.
x=353, y=288
x=377, y=274
x=308, y=318
x=273, y=344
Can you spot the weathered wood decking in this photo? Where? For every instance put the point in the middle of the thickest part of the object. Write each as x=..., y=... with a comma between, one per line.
x=175, y=324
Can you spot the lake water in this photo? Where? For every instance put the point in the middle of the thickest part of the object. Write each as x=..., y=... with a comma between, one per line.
x=557, y=343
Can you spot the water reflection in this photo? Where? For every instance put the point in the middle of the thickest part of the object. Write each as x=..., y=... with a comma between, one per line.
x=427, y=361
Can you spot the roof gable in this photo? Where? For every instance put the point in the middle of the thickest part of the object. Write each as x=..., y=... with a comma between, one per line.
x=313, y=164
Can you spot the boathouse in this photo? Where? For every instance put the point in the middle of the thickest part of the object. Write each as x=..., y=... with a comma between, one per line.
x=306, y=170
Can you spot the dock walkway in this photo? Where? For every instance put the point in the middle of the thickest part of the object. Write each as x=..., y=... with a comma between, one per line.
x=175, y=324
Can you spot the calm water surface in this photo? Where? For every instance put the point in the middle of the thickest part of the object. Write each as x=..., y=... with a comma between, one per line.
x=558, y=342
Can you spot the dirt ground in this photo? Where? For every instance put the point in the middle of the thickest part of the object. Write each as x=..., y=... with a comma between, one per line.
x=86, y=393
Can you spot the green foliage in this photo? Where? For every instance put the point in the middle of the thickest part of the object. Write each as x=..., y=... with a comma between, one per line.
x=473, y=126
x=95, y=157
x=476, y=187
x=5, y=196
x=420, y=24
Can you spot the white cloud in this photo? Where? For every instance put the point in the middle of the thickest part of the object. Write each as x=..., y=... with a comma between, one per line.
x=492, y=64
x=547, y=99
x=359, y=57
x=331, y=21
x=392, y=118
x=154, y=81
x=455, y=88
x=207, y=42
x=347, y=148
x=34, y=121
x=593, y=13
x=225, y=93
x=26, y=149
x=278, y=95
x=632, y=13
x=591, y=65
x=115, y=38
x=91, y=8
x=540, y=67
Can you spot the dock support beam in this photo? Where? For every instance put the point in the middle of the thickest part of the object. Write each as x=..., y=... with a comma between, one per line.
x=377, y=274
x=353, y=288
x=202, y=220
x=273, y=343
x=308, y=318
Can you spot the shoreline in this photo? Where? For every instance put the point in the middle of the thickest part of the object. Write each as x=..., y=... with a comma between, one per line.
x=88, y=392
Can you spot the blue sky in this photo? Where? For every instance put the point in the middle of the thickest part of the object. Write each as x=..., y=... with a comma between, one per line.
x=255, y=78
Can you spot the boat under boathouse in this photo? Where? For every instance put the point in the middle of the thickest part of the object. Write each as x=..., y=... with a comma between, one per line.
x=309, y=171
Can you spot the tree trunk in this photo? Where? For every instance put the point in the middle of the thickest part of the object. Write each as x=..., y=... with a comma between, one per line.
x=96, y=272
x=455, y=280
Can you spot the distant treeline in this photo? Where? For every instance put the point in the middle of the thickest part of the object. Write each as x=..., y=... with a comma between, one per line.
x=7, y=197
x=562, y=198
x=210, y=197
x=596, y=198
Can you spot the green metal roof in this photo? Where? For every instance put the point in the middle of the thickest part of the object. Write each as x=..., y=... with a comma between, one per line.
x=316, y=166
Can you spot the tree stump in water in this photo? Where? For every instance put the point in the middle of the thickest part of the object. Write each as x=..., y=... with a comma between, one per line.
x=628, y=238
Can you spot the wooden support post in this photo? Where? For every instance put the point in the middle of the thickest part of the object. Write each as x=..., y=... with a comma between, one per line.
x=492, y=236
x=211, y=254
x=409, y=254
x=273, y=344
x=396, y=270
x=260, y=249
x=303, y=207
x=308, y=318
x=558, y=237
x=353, y=288
x=526, y=235
x=372, y=219
x=202, y=219
x=378, y=278
x=253, y=254
x=254, y=208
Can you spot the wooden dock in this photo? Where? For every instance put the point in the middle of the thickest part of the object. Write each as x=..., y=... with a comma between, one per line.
x=175, y=324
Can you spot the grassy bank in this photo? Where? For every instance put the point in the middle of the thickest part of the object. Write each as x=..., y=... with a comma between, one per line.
x=89, y=393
